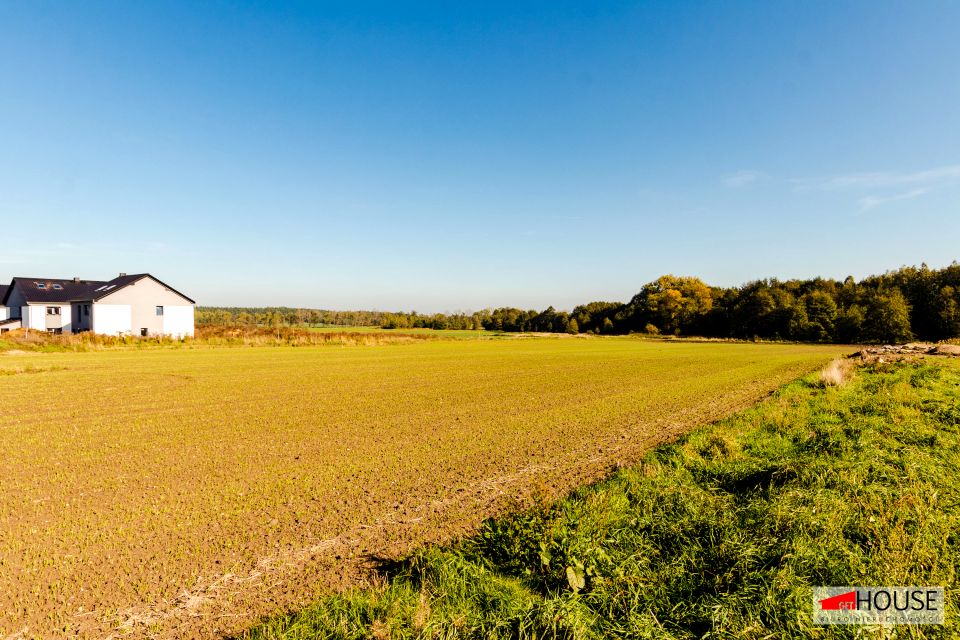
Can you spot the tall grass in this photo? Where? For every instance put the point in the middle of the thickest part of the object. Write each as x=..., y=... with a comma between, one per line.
x=719, y=535
x=206, y=335
x=837, y=373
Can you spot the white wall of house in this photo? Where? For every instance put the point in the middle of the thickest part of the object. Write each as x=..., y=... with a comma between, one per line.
x=110, y=319
x=4, y=313
x=143, y=297
x=34, y=316
x=59, y=321
x=178, y=320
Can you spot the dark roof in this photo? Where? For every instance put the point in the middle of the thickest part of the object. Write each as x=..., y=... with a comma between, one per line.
x=43, y=290
x=52, y=289
x=3, y=292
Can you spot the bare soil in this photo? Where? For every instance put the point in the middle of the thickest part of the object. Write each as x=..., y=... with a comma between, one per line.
x=186, y=494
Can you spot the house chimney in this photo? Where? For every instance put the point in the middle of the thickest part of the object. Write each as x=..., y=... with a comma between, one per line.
x=76, y=278
x=122, y=274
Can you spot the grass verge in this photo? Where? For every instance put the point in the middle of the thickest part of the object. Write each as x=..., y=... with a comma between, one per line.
x=719, y=535
x=206, y=336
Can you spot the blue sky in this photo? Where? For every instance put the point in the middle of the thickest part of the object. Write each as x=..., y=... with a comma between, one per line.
x=452, y=156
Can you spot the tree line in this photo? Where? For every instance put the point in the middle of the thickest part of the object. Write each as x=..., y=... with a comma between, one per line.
x=909, y=303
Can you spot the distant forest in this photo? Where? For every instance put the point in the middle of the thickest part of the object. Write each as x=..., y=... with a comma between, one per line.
x=910, y=303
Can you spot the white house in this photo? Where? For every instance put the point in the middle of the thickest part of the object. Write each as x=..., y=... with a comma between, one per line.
x=127, y=305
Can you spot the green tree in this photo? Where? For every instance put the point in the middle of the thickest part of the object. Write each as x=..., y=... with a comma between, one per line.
x=849, y=324
x=821, y=312
x=948, y=310
x=886, y=316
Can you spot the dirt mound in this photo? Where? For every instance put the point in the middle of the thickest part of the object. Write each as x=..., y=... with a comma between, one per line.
x=897, y=352
x=948, y=350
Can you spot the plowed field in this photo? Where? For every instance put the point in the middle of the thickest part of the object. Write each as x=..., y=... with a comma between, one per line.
x=184, y=493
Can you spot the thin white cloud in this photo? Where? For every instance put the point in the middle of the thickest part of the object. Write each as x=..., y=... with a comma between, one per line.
x=883, y=179
x=871, y=202
x=887, y=186
x=742, y=178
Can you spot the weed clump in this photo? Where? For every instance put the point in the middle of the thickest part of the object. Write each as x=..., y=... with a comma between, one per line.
x=837, y=373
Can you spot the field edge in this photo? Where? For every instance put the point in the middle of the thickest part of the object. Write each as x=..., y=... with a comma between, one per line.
x=552, y=570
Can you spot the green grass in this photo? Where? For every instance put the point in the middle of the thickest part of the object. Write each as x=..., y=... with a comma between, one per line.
x=720, y=535
x=462, y=334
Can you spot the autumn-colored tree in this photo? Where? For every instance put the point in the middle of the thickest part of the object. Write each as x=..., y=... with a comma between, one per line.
x=671, y=303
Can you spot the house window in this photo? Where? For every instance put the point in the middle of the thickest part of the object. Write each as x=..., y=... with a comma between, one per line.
x=159, y=311
x=86, y=309
x=53, y=311
x=56, y=330
x=143, y=331
x=40, y=285
x=58, y=287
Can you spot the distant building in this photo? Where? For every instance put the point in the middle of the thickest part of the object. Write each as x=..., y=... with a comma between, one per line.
x=136, y=304
x=4, y=311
